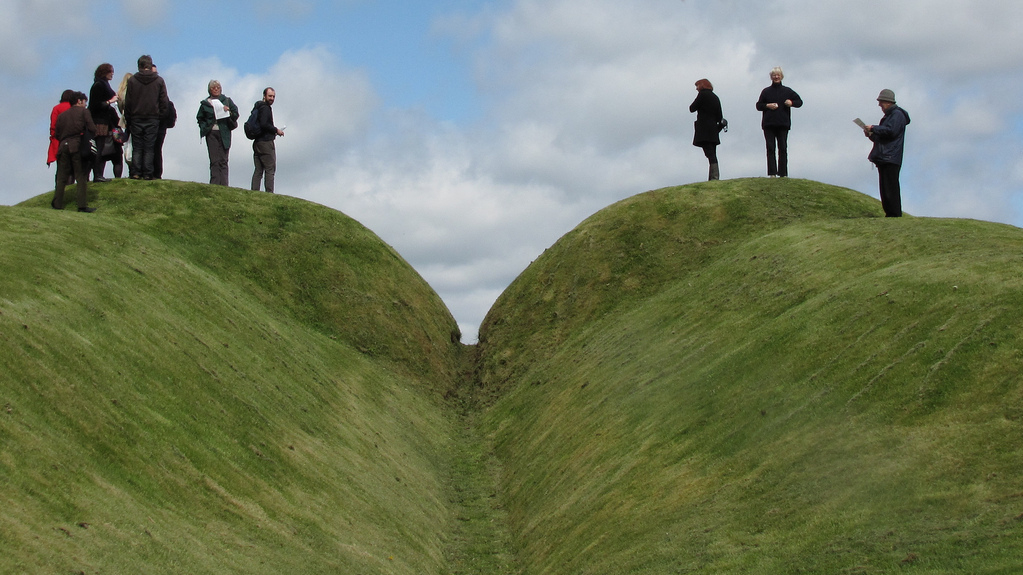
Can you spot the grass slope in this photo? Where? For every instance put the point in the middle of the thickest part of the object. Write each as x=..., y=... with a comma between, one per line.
x=753, y=377
x=205, y=380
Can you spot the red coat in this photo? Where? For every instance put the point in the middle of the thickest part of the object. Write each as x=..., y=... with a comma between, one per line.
x=54, y=142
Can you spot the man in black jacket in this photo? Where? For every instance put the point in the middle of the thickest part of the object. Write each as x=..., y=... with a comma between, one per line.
x=69, y=130
x=889, y=139
x=264, y=152
x=145, y=103
x=776, y=102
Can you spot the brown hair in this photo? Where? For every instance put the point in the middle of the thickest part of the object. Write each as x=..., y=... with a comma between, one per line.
x=102, y=71
x=704, y=84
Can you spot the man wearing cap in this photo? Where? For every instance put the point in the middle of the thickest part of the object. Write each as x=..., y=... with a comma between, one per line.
x=145, y=102
x=889, y=137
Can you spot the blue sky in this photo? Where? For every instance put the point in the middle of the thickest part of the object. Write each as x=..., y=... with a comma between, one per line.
x=472, y=134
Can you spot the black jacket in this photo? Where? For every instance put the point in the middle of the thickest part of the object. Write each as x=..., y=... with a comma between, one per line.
x=267, y=130
x=100, y=109
x=145, y=97
x=777, y=94
x=889, y=137
x=707, y=106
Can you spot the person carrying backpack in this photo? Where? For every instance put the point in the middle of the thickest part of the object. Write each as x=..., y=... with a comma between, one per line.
x=264, y=151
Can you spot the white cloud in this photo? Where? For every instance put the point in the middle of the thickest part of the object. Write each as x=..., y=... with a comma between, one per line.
x=586, y=102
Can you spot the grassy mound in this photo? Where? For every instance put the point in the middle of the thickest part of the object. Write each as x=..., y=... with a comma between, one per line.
x=205, y=380
x=752, y=377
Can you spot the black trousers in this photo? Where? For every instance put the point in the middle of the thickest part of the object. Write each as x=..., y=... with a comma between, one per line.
x=70, y=163
x=777, y=139
x=143, y=145
x=891, y=191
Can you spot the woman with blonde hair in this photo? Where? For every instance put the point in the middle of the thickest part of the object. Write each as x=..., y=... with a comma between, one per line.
x=126, y=145
x=776, y=102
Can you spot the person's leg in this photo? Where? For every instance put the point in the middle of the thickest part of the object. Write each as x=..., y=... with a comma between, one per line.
x=161, y=135
x=270, y=167
x=218, y=158
x=257, y=175
x=783, y=152
x=117, y=162
x=772, y=162
x=144, y=142
x=99, y=163
x=64, y=171
x=82, y=175
x=891, y=192
x=710, y=150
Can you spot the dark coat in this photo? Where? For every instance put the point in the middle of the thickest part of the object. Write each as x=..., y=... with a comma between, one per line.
x=889, y=137
x=708, y=117
x=145, y=98
x=71, y=124
x=267, y=130
x=777, y=94
x=206, y=118
x=99, y=98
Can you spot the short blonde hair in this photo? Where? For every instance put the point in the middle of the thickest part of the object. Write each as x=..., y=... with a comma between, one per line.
x=212, y=84
x=777, y=69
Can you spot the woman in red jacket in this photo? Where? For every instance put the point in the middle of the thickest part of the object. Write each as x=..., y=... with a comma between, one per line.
x=63, y=106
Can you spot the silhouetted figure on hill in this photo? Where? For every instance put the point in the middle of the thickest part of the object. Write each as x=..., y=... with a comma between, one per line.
x=776, y=102
x=145, y=104
x=74, y=130
x=889, y=137
x=708, y=125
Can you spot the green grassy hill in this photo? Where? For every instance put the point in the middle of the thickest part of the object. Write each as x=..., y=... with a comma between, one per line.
x=206, y=380
x=753, y=377
x=749, y=376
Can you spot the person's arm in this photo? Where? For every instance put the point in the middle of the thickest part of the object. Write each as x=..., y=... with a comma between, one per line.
x=794, y=101
x=890, y=127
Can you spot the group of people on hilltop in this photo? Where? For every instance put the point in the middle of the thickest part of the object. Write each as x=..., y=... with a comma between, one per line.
x=775, y=103
x=87, y=131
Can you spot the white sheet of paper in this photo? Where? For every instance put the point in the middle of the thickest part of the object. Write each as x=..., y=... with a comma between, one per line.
x=218, y=110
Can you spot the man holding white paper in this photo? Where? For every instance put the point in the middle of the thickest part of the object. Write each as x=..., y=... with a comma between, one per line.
x=217, y=116
x=889, y=137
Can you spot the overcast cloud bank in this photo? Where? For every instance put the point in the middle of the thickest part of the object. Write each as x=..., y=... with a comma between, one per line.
x=574, y=105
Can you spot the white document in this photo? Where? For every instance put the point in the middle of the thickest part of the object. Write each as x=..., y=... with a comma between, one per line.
x=859, y=123
x=218, y=109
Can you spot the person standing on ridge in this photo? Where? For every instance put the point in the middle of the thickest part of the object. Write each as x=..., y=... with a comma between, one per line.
x=63, y=106
x=167, y=121
x=101, y=96
x=145, y=103
x=264, y=152
x=73, y=125
x=217, y=116
x=889, y=139
x=708, y=124
x=776, y=102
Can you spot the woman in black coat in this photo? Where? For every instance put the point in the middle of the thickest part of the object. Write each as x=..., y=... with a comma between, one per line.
x=101, y=96
x=708, y=124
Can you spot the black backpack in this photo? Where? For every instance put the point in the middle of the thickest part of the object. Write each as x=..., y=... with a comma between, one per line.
x=251, y=126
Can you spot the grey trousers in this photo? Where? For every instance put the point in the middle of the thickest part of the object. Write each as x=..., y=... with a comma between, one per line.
x=264, y=156
x=218, y=158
